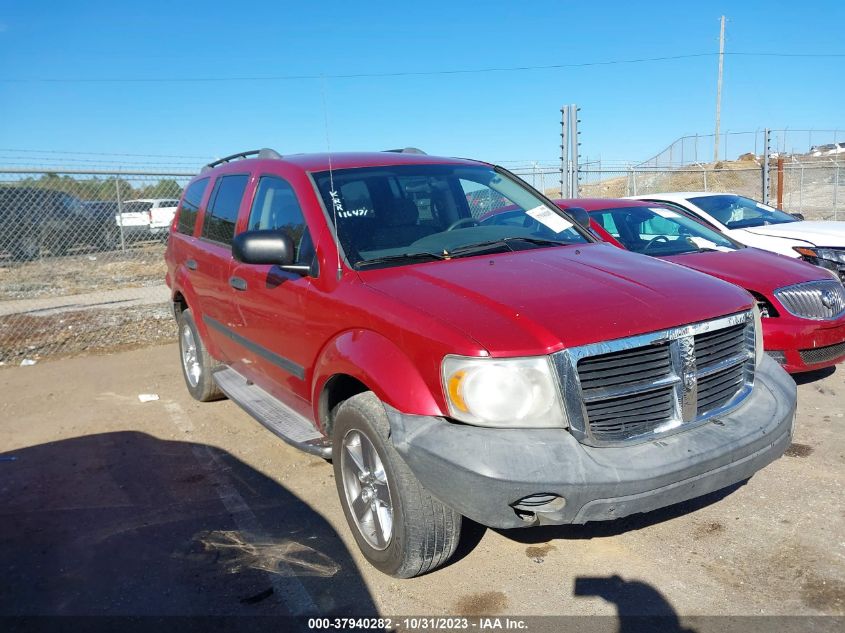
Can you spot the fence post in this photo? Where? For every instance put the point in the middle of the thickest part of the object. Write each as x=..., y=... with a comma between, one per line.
x=704, y=171
x=634, y=181
x=780, y=183
x=767, y=139
x=120, y=212
x=801, y=191
x=835, y=189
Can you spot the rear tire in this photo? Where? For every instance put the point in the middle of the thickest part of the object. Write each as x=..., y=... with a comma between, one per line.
x=401, y=529
x=197, y=363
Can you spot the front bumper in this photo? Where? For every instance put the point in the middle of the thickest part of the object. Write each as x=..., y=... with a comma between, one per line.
x=791, y=336
x=482, y=473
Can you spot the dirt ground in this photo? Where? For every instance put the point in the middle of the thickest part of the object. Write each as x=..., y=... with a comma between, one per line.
x=114, y=506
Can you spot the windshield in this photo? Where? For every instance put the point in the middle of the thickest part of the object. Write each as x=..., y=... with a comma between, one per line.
x=736, y=212
x=660, y=231
x=403, y=214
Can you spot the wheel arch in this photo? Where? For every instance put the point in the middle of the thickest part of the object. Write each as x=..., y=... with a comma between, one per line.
x=362, y=360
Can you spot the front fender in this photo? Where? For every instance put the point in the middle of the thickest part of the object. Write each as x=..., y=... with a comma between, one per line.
x=379, y=364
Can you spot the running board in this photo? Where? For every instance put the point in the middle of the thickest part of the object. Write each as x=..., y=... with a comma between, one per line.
x=279, y=418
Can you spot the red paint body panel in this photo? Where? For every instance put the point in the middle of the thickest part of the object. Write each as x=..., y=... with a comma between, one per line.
x=540, y=301
x=755, y=270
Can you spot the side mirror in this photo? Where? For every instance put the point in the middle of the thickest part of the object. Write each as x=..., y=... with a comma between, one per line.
x=580, y=215
x=266, y=247
x=797, y=216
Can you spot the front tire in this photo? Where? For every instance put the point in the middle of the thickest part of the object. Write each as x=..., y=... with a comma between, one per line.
x=400, y=528
x=197, y=363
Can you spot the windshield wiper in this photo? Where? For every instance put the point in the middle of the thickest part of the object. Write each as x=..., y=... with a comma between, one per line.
x=403, y=257
x=481, y=247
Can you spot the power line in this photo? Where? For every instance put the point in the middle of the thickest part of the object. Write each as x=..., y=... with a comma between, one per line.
x=59, y=151
x=422, y=73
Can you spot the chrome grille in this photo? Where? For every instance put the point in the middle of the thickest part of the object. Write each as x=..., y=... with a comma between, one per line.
x=617, y=419
x=822, y=354
x=643, y=387
x=609, y=372
x=718, y=388
x=719, y=345
x=819, y=300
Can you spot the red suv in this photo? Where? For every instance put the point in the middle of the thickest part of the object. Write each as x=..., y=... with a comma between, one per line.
x=509, y=369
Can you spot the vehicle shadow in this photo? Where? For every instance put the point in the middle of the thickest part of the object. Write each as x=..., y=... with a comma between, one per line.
x=639, y=606
x=600, y=529
x=126, y=524
x=813, y=376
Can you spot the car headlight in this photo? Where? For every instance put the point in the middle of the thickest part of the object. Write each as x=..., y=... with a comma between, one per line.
x=503, y=392
x=758, y=336
x=835, y=255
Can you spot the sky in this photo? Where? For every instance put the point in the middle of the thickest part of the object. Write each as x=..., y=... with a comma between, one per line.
x=59, y=62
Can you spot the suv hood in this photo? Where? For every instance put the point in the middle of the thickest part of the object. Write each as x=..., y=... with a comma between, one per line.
x=541, y=300
x=751, y=268
x=818, y=233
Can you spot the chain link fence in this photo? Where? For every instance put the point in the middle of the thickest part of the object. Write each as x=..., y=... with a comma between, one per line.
x=81, y=261
x=81, y=251
x=814, y=187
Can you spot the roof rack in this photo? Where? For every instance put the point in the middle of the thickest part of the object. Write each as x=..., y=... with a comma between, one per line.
x=407, y=150
x=264, y=152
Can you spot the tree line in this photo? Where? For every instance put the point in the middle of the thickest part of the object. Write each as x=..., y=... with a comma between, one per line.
x=105, y=188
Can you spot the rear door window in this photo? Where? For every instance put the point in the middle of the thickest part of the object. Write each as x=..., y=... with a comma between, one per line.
x=222, y=214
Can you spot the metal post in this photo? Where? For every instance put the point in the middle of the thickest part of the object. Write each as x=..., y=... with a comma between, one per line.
x=704, y=169
x=695, y=151
x=634, y=181
x=767, y=138
x=573, y=152
x=835, y=189
x=801, y=191
x=564, y=152
x=719, y=88
x=120, y=212
x=780, y=182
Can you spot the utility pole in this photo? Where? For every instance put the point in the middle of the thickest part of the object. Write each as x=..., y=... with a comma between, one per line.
x=719, y=89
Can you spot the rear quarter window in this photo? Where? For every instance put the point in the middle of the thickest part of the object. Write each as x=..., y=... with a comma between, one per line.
x=190, y=207
x=222, y=213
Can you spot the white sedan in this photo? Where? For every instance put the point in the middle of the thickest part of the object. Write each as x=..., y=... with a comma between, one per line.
x=756, y=224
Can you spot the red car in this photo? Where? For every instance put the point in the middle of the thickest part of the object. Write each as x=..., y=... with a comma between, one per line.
x=516, y=371
x=803, y=306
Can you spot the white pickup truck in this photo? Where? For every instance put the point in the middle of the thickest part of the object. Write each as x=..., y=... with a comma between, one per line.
x=146, y=218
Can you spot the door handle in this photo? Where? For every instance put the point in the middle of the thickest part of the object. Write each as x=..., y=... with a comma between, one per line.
x=191, y=264
x=237, y=283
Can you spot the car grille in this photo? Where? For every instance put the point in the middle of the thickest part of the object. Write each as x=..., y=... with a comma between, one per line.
x=822, y=354
x=642, y=387
x=819, y=300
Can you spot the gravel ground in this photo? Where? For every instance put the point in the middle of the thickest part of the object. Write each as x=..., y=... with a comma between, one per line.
x=140, y=265
x=197, y=509
x=29, y=331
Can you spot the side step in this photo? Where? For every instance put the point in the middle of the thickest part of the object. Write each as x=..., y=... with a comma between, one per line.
x=279, y=418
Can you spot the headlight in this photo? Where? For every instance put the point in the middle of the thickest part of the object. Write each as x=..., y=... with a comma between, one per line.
x=758, y=337
x=503, y=392
x=831, y=258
